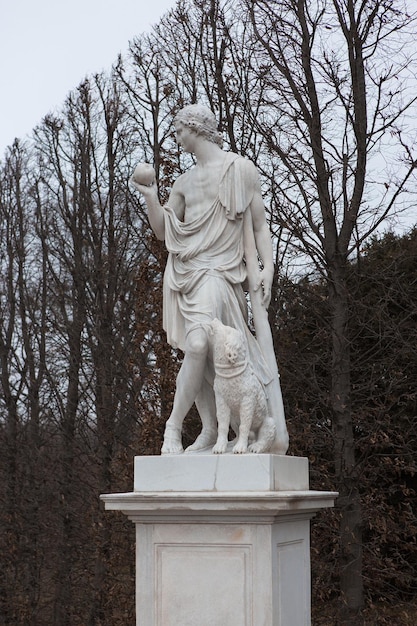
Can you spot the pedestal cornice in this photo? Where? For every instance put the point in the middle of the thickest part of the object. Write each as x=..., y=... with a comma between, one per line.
x=228, y=504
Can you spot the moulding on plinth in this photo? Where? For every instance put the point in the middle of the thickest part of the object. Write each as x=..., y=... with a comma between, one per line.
x=217, y=555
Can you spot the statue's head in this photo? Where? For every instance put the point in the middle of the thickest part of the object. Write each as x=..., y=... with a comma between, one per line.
x=201, y=120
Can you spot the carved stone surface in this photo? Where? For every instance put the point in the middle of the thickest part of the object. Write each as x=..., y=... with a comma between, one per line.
x=214, y=229
x=222, y=556
x=207, y=472
x=240, y=396
x=144, y=174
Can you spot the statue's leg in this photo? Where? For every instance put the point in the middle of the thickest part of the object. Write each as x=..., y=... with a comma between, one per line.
x=189, y=381
x=206, y=406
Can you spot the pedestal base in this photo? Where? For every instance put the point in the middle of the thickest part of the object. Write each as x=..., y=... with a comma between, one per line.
x=222, y=558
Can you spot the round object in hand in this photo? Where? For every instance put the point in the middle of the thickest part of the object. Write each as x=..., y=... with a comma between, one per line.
x=144, y=174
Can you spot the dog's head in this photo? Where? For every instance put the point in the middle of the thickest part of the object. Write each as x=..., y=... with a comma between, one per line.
x=228, y=344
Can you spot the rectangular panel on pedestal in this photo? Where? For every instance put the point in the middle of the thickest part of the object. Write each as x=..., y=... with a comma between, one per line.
x=196, y=582
x=291, y=587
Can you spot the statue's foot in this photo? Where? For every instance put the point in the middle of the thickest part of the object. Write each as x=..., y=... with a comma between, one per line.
x=206, y=439
x=172, y=440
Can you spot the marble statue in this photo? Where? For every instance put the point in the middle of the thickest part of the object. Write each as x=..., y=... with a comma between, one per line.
x=240, y=396
x=215, y=231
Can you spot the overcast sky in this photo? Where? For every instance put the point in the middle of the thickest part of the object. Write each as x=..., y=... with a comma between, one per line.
x=47, y=47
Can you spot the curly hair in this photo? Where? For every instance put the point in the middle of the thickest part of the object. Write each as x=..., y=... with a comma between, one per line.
x=201, y=120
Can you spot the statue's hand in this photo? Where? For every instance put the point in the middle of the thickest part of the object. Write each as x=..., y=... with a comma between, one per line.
x=264, y=280
x=146, y=190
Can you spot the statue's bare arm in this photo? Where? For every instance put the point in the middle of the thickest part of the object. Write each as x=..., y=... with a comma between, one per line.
x=263, y=245
x=155, y=210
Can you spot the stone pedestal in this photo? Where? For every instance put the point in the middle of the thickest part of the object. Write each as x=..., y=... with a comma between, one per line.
x=222, y=540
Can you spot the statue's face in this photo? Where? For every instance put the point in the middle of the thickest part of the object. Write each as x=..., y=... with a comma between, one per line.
x=186, y=137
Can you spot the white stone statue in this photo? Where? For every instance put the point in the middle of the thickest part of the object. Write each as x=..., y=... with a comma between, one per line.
x=240, y=396
x=215, y=230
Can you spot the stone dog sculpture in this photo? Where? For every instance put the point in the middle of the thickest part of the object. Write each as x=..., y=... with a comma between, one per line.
x=240, y=397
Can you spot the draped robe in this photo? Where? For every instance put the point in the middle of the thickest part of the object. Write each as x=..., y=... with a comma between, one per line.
x=205, y=267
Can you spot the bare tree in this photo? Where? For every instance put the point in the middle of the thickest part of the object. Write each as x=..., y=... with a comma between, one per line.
x=23, y=372
x=94, y=251
x=334, y=97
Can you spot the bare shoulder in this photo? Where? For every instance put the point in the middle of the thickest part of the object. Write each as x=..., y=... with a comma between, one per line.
x=177, y=196
x=184, y=179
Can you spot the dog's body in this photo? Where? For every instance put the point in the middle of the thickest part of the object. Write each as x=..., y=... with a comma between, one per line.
x=240, y=396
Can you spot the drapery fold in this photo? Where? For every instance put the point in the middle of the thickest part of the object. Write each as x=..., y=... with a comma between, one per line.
x=205, y=268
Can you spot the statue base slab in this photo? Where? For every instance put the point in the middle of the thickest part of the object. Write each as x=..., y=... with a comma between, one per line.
x=221, y=555
x=221, y=472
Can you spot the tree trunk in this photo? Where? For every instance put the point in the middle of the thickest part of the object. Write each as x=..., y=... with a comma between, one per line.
x=348, y=503
x=63, y=602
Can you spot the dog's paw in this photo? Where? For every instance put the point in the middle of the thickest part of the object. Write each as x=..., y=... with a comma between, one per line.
x=256, y=447
x=240, y=448
x=219, y=448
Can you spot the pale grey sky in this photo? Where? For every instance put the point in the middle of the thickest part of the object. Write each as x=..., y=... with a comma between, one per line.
x=47, y=47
